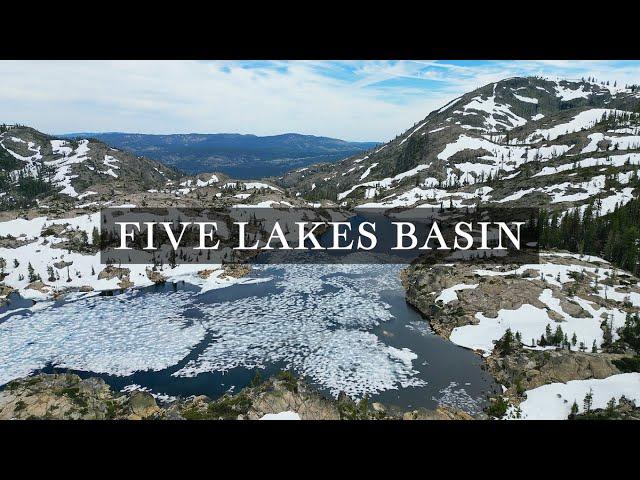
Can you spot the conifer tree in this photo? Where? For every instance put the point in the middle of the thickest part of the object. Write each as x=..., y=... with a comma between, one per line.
x=574, y=408
x=588, y=401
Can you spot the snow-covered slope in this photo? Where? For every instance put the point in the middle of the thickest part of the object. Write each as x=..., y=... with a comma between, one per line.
x=526, y=140
x=35, y=166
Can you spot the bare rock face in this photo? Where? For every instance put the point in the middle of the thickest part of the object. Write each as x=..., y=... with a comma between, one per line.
x=56, y=397
x=68, y=397
x=284, y=397
x=424, y=283
x=110, y=272
x=55, y=229
x=528, y=369
x=573, y=309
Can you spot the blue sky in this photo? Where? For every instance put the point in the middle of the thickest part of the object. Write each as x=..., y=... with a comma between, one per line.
x=353, y=100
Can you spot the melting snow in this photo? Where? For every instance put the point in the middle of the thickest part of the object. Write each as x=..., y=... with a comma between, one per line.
x=554, y=401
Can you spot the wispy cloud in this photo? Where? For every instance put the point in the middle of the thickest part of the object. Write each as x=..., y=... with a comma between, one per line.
x=355, y=100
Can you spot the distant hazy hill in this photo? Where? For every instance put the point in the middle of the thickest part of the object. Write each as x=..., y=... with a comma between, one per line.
x=241, y=156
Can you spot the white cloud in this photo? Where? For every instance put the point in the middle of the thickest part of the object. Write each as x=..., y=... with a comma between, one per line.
x=184, y=96
x=364, y=100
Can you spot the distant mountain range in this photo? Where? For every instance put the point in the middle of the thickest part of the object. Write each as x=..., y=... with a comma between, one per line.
x=237, y=155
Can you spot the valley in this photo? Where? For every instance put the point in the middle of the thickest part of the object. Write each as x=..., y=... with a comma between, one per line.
x=479, y=339
x=239, y=156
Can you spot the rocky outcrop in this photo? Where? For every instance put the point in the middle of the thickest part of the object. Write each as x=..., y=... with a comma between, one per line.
x=62, y=264
x=528, y=369
x=206, y=273
x=110, y=272
x=5, y=290
x=155, y=276
x=58, y=397
x=39, y=286
x=283, y=396
x=235, y=271
x=142, y=405
x=424, y=283
x=125, y=283
x=278, y=394
x=67, y=396
x=513, y=365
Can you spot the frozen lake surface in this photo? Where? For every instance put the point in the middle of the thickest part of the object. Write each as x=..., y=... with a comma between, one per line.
x=343, y=327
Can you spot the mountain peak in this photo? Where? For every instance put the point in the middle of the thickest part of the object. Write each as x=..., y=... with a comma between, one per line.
x=492, y=145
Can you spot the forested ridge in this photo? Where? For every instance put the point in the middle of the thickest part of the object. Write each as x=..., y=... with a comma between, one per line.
x=614, y=237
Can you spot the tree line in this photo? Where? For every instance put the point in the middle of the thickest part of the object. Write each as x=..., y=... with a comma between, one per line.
x=614, y=237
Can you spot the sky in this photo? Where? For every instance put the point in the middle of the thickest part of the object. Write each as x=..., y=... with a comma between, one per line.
x=351, y=100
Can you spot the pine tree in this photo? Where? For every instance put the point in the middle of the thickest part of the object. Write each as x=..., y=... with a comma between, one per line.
x=574, y=408
x=558, y=336
x=32, y=276
x=630, y=333
x=95, y=237
x=547, y=334
x=588, y=401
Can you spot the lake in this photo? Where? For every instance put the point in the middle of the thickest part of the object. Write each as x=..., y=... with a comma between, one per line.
x=345, y=328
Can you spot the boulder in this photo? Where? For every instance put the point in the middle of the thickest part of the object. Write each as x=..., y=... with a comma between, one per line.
x=39, y=286
x=235, y=271
x=125, y=283
x=110, y=272
x=206, y=273
x=143, y=405
x=62, y=264
x=155, y=276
